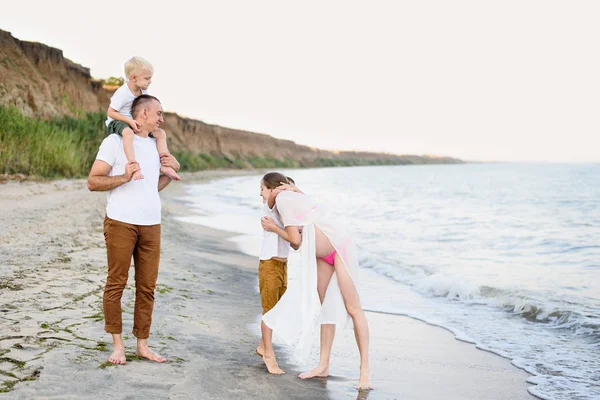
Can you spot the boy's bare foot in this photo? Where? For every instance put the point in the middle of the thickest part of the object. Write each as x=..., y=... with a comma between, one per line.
x=118, y=355
x=319, y=372
x=145, y=352
x=272, y=365
x=170, y=172
x=137, y=176
x=364, y=382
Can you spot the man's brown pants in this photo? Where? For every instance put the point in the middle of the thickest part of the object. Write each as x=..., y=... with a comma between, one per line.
x=122, y=242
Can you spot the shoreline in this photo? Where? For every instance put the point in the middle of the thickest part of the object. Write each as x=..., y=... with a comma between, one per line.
x=456, y=337
x=53, y=325
x=206, y=304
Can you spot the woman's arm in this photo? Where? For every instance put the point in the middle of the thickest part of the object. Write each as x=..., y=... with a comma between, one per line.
x=290, y=234
x=275, y=192
x=290, y=187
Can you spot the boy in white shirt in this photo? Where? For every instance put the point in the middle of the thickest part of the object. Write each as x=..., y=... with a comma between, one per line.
x=272, y=269
x=138, y=72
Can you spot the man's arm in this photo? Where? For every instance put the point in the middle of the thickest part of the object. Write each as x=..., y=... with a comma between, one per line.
x=99, y=181
x=163, y=181
x=167, y=160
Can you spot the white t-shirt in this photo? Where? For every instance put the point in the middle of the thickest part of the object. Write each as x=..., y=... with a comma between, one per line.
x=135, y=202
x=273, y=245
x=121, y=101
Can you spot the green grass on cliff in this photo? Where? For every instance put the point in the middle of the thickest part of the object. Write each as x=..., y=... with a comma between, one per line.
x=66, y=148
x=60, y=148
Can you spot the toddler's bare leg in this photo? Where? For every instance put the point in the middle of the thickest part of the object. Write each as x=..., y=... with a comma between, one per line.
x=161, y=145
x=129, y=153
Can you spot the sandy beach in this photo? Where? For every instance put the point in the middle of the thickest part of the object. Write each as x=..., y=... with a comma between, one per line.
x=53, y=346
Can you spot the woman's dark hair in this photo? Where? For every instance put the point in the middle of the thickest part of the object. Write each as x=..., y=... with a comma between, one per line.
x=273, y=180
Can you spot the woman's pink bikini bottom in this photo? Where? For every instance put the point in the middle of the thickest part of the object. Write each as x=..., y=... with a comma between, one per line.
x=330, y=258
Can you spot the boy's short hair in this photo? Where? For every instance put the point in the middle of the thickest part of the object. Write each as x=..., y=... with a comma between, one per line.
x=135, y=64
x=291, y=180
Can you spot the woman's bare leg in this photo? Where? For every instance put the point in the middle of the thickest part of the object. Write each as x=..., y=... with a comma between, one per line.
x=361, y=325
x=324, y=273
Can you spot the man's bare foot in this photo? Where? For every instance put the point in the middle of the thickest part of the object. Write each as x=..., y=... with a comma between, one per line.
x=118, y=355
x=364, y=382
x=319, y=372
x=170, y=172
x=272, y=365
x=137, y=175
x=145, y=352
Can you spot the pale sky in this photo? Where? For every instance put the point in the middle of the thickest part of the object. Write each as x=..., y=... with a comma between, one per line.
x=479, y=80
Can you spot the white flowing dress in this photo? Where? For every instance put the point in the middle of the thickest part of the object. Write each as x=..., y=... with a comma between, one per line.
x=299, y=311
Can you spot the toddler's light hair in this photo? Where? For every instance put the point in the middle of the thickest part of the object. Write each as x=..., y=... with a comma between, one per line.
x=136, y=64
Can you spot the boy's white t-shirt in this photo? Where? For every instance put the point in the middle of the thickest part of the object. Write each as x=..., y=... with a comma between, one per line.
x=273, y=245
x=135, y=202
x=121, y=101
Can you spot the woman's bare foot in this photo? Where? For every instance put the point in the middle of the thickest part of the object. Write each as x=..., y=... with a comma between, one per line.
x=170, y=172
x=272, y=365
x=118, y=355
x=319, y=372
x=137, y=175
x=145, y=352
x=364, y=382
x=260, y=350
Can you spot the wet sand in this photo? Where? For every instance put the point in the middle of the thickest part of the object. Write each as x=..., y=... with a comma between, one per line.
x=53, y=345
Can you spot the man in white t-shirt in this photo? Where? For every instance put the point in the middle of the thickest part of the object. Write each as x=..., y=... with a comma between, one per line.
x=132, y=224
